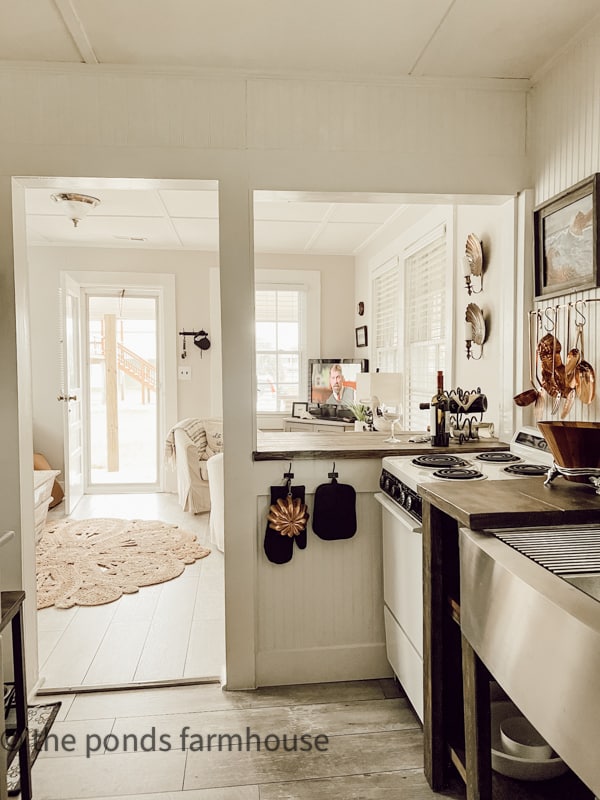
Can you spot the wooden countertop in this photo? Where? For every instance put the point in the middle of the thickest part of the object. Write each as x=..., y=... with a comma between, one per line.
x=520, y=502
x=11, y=602
x=280, y=445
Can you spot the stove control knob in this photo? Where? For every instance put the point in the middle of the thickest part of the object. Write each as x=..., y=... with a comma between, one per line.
x=402, y=496
x=395, y=491
x=408, y=502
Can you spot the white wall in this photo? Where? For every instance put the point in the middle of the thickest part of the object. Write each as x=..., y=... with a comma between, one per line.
x=565, y=145
x=191, y=271
x=195, y=310
x=494, y=225
x=247, y=133
x=337, y=296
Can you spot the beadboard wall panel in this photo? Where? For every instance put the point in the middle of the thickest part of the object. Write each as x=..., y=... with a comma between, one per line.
x=320, y=616
x=425, y=118
x=565, y=147
x=108, y=109
x=565, y=119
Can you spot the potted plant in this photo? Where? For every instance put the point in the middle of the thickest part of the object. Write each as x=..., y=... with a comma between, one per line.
x=362, y=415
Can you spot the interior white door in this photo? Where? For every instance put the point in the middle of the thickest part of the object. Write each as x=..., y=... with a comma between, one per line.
x=70, y=390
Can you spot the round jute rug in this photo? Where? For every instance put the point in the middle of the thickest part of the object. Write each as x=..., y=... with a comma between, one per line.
x=94, y=561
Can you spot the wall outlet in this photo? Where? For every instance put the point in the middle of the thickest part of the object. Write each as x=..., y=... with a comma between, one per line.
x=185, y=374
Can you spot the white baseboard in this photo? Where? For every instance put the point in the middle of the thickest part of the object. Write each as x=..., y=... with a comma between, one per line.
x=322, y=665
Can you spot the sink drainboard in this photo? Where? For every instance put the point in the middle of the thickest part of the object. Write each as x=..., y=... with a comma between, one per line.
x=564, y=551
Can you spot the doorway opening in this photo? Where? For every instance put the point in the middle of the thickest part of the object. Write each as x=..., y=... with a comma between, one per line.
x=136, y=271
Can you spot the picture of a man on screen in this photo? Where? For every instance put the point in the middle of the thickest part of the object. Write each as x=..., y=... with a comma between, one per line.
x=340, y=394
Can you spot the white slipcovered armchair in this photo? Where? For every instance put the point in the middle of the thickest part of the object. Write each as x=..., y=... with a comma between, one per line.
x=189, y=446
x=216, y=483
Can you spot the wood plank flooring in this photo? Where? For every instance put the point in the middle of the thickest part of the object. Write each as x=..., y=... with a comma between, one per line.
x=166, y=632
x=373, y=747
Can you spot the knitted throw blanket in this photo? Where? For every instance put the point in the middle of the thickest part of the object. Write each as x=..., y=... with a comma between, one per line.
x=194, y=428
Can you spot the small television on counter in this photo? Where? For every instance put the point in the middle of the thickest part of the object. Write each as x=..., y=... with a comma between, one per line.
x=319, y=383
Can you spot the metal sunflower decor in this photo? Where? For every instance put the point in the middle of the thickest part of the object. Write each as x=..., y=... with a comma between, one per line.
x=289, y=516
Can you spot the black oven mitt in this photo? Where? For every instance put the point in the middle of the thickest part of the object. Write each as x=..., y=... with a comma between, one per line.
x=334, y=512
x=278, y=547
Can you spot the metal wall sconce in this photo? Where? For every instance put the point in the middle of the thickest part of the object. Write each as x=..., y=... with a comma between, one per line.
x=473, y=264
x=474, y=330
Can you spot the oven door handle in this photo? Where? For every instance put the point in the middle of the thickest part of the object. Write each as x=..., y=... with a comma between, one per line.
x=398, y=512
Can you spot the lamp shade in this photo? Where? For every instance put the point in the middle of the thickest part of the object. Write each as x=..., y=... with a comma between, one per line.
x=75, y=206
x=387, y=386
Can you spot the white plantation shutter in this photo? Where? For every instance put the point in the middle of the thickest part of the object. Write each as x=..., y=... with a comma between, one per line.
x=280, y=314
x=386, y=316
x=425, y=323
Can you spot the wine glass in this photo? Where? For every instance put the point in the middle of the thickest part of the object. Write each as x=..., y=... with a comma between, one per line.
x=395, y=414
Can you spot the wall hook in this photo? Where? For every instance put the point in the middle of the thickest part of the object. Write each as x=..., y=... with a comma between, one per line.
x=289, y=474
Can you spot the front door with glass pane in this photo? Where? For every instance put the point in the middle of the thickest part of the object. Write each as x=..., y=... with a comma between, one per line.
x=122, y=381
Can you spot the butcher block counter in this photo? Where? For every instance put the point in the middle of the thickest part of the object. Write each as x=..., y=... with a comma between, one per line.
x=448, y=660
x=506, y=504
x=282, y=445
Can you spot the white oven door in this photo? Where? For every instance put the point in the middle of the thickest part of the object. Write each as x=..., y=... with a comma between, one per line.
x=403, y=597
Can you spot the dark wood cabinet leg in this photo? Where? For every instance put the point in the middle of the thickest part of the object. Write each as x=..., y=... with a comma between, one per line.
x=435, y=750
x=478, y=755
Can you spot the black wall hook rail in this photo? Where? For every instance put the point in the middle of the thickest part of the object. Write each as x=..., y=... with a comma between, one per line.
x=193, y=333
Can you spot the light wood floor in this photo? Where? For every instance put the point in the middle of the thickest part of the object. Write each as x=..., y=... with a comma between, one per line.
x=166, y=632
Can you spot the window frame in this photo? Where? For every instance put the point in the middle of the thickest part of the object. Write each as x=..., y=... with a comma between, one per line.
x=308, y=282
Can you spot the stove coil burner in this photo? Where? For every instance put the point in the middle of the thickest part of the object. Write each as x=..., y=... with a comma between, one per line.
x=529, y=470
x=458, y=474
x=438, y=460
x=497, y=458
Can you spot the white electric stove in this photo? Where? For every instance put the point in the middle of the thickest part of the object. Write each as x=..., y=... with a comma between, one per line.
x=402, y=541
x=527, y=457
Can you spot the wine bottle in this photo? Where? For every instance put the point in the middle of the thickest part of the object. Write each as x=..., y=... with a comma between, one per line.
x=440, y=436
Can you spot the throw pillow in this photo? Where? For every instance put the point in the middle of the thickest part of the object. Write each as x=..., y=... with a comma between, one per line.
x=214, y=434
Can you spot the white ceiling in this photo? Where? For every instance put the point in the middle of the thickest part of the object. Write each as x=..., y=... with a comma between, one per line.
x=187, y=219
x=451, y=38
x=392, y=38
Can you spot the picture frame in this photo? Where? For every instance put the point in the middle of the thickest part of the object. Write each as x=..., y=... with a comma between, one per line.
x=565, y=229
x=297, y=408
x=361, y=336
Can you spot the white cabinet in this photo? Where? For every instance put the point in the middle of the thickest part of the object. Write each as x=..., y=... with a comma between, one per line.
x=43, y=481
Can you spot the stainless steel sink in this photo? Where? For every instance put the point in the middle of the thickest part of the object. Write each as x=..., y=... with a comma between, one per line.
x=590, y=584
x=539, y=636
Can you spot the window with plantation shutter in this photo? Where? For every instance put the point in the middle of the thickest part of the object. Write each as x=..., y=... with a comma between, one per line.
x=426, y=287
x=386, y=316
x=280, y=314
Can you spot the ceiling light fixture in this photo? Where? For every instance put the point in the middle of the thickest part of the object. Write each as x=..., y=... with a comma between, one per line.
x=75, y=206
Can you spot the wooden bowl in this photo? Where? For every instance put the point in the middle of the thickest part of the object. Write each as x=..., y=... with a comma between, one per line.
x=573, y=444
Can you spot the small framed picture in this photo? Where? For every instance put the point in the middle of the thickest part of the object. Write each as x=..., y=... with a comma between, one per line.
x=361, y=336
x=298, y=408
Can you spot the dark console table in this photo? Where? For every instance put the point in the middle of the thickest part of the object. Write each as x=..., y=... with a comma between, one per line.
x=12, y=607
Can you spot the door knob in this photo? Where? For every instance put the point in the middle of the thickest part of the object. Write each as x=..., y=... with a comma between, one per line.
x=67, y=397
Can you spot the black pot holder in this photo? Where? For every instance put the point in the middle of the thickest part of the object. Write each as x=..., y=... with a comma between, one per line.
x=334, y=512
